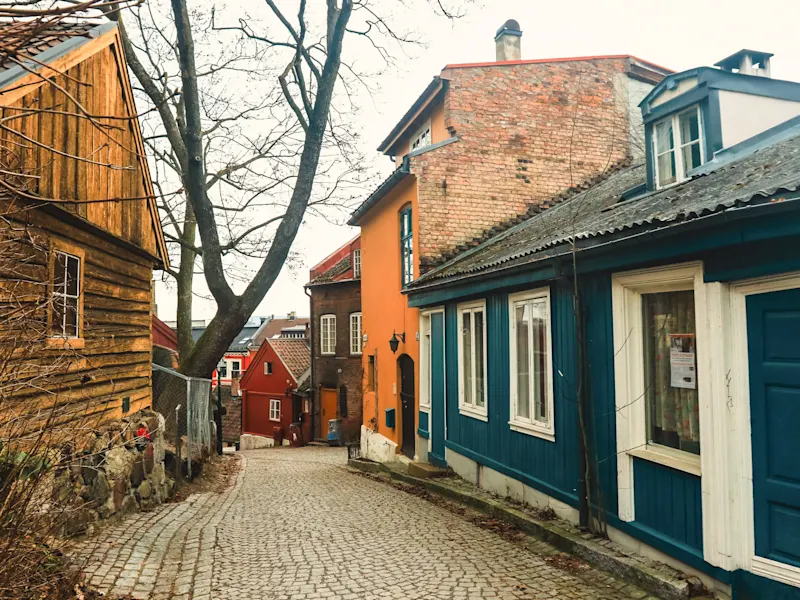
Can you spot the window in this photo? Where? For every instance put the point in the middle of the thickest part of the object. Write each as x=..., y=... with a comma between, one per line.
x=223, y=371
x=274, y=410
x=472, y=360
x=406, y=246
x=357, y=263
x=422, y=137
x=371, y=374
x=327, y=338
x=267, y=368
x=236, y=369
x=531, y=363
x=659, y=353
x=355, y=333
x=65, y=315
x=425, y=361
x=670, y=370
x=678, y=146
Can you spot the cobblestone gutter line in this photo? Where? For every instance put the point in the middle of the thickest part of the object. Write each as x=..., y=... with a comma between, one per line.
x=661, y=580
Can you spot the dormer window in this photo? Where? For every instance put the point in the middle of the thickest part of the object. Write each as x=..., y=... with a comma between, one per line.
x=422, y=137
x=678, y=146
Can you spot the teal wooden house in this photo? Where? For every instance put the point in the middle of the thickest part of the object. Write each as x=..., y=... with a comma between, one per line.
x=661, y=309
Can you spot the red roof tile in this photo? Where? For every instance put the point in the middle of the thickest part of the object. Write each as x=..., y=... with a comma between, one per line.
x=295, y=354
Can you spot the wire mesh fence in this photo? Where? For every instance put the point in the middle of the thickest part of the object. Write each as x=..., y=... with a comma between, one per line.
x=186, y=404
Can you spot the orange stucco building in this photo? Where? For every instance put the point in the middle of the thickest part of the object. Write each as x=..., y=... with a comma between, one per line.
x=484, y=146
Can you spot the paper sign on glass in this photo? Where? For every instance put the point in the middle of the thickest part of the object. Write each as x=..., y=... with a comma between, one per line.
x=683, y=372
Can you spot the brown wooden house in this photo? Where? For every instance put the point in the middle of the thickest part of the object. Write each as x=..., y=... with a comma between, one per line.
x=77, y=199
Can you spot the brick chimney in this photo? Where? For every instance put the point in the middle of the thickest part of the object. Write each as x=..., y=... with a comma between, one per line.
x=507, y=41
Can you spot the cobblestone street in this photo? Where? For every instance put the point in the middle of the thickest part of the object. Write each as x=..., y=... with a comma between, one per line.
x=298, y=525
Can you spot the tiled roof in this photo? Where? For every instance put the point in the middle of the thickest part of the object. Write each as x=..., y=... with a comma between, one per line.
x=331, y=274
x=30, y=38
x=747, y=174
x=295, y=354
x=272, y=328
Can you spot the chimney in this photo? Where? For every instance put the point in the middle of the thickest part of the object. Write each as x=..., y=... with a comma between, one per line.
x=292, y=316
x=747, y=62
x=507, y=41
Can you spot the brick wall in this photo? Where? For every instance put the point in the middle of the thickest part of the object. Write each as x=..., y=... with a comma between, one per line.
x=343, y=369
x=527, y=133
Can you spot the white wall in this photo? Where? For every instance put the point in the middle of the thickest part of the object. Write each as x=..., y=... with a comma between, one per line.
x=745, y=115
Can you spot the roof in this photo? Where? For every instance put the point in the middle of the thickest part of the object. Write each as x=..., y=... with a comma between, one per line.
x=747, y=174
x=42, y=41
x=240, y=343
x=732, y=61
x=337, y=266
x=382, y=191
x=431, y=90
x=294, y=353
x=272, y=327
x=538, y=61
x=163, y=334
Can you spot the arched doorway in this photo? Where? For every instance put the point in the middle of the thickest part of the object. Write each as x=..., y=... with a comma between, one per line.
x=405, y=367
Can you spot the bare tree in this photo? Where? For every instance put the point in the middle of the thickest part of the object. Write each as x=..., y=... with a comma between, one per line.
x=301, y=153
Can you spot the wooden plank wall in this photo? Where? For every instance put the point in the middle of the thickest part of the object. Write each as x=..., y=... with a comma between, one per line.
x=115, y=172
x=115, y=360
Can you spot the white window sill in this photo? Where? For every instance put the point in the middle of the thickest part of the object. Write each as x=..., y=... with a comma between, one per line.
x=328, y=353
x=530, y=429
x=275, y=420
x=669, y=457
x=474, y=413
x=426, y=408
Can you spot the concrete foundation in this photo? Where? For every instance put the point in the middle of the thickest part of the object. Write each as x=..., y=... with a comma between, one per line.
x=376, y=447
x=248, y=441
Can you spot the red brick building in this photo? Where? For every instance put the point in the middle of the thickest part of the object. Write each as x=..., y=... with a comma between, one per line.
x=270, y=403
x=336, y=340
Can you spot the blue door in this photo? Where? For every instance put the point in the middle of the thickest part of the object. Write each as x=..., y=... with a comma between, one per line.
x=437, y=390
x=773, y=333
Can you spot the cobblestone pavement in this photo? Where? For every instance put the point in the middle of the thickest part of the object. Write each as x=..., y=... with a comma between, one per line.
x=299, y=526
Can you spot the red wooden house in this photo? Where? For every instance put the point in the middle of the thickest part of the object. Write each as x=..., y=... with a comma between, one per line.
x=271, y=401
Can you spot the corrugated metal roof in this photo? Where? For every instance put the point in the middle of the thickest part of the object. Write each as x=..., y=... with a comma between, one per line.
x=759, y=174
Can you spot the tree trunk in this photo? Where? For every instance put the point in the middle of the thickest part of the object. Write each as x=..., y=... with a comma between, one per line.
x=185, y=280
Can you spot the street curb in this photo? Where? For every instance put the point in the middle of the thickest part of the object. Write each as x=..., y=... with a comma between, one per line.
x=655, y=578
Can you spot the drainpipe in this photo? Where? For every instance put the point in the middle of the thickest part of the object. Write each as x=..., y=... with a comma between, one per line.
x=313, y=360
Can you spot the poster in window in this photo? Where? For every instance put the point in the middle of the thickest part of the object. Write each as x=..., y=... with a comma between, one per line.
x=682, y=363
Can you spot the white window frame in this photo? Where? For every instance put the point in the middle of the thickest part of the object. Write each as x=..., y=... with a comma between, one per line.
x=419, y=136
x=473, y=410
x=355, y=333
x=542, y=429
x=63, y=295
x=231, y=369
x=680, y=168
x=357, y=263
x=327, y=346
x=627, y=290
x=273, y=402
x=267, y=367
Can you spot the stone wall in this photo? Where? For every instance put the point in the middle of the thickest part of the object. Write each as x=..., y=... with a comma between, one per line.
x=121, y=470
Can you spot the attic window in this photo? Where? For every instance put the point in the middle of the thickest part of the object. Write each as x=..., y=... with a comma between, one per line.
x=678, y=146
x=422, y=137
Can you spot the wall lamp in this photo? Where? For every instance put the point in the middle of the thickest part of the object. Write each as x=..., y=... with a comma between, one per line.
x=395, y=342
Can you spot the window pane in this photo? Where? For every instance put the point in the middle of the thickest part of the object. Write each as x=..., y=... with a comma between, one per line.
x=73, y=274
x=689, y=123
x=58, y=316
x=60, y=272
x=522, y=316
x=479, y=374
x=666, y=168
x=466, y=337
x=665, y=140
x=672, y=407
x=691, y=156
x=539, y=327
x=71, y=317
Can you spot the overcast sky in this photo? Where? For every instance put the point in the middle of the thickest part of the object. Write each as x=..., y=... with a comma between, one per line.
x=680, y=34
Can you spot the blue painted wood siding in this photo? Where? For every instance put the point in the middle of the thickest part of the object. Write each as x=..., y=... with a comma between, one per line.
x=422, y=430
x=550, y=467
x=668, y=502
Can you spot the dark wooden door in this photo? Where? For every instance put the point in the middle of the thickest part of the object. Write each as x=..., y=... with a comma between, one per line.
x=773, y=337
x=407, y=402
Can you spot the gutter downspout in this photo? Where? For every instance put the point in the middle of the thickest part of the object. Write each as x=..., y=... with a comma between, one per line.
x=313, y=359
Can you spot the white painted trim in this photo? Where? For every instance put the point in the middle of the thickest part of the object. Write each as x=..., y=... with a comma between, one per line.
x=677, y=150
x=543, y=429
x=627, y=289
x=774, y=570
x=356, y=341
x=415, y=137
x=669, y=457
x=740, y=459
x=472, y=410
x=273, y=401
x=424, y=356
x=331, y=318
